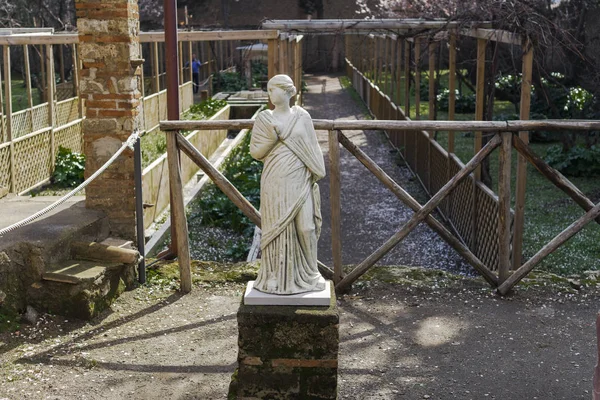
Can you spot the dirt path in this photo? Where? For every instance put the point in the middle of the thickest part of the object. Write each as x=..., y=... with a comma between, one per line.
x=436, y=337
x=370, y=212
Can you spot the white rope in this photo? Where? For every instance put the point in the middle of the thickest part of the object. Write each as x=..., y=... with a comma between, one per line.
x=129, y=143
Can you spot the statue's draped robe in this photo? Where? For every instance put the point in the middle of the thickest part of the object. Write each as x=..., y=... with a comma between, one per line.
x=290, y=203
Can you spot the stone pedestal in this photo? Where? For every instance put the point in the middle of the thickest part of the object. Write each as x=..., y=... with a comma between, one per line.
x=287, y=352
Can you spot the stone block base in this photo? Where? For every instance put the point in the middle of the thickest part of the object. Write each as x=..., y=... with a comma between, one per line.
x=287, y=352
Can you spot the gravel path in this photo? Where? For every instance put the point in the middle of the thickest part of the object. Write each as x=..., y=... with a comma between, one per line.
x=370, y=212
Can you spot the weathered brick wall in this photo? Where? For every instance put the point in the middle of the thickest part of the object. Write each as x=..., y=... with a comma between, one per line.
x=109, y=41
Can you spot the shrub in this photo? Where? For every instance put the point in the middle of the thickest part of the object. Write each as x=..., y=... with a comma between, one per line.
x=205, y=109
x=216, y=209
x=68, y=168
x=577, y=161
x=464, y=104
x=229, y=82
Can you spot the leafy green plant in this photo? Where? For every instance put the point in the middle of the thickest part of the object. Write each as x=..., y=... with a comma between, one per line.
x=68, y=168
x=464, y=104
x=215, y=209
x=577, y=161
x=229, y=82
x=205, y=109
x=260, y=73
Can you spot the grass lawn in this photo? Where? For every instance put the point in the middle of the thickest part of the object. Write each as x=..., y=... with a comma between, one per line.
x=19, y=95
x=548, y=210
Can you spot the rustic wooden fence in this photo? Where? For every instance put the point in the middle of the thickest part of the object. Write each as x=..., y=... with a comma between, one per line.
x=384, y=67
x=472, y=208
x=504, y=137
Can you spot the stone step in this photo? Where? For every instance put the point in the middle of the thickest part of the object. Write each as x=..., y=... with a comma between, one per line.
x=76, y=271
x=118, y=242
x=80, y=288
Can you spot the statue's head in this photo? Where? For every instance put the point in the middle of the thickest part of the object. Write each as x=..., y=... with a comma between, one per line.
x=281, y=89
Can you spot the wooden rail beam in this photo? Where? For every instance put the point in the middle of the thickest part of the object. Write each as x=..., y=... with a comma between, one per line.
x=411, y=125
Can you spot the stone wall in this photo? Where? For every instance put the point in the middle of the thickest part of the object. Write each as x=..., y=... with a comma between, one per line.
x=109, y=42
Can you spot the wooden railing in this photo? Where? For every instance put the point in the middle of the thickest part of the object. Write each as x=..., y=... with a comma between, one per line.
x=505, y=137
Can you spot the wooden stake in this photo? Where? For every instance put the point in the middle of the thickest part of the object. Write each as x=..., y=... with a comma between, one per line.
x=452, y=88
x=398, y=71
x=479, y=97
x=8, y=116
x=272, y=54
x=28, y=79
x=417, y=78
x=504, y=207
x=178, y=214
x=61, y=63
x=155, y=69
x=142, y=77
x=431, y=115
x=407, y=78
x=51, y=103
x=521, y=162
x=334, y=199
x=180, y=58
x=387, y=70
x=76, y=85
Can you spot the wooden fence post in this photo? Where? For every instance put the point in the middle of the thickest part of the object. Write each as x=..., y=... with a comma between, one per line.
x=479, y=98
x=142, y=76
x=190, y=61
x=51, y=102
x=407, y=78
x=155, y=69
x=451, y=88
x=76, y=81
x=521, y=161
x=8, y=116
x=27, y=78
x=431, y=114
x=504, y=207
x=61, y=63
x=417, y=78
x=398, y=71
x=180, y=58
x=334, y=199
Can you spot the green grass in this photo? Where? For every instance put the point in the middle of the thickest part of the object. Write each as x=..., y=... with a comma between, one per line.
x=548, y=210
x=19, y=95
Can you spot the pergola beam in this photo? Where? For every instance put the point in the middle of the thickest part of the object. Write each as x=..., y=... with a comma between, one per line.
x=496, y=35
x=145, y=37
x=323, y=25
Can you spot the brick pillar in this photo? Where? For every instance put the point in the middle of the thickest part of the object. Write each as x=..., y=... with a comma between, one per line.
x=110, y=85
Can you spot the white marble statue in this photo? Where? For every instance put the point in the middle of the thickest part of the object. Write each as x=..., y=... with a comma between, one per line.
x=285, y=141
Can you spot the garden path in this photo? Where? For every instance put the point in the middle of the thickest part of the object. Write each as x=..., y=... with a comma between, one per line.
x=370, y=212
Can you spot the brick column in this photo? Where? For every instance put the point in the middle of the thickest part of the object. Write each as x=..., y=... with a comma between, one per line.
x=110, y=85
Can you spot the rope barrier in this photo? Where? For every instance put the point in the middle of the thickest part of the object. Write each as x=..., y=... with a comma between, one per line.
x=130, y=142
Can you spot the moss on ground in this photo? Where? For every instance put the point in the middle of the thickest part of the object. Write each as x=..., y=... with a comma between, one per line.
x=207, y=272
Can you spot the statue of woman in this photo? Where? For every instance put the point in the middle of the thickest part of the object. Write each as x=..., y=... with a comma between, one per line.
x=286, y=142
